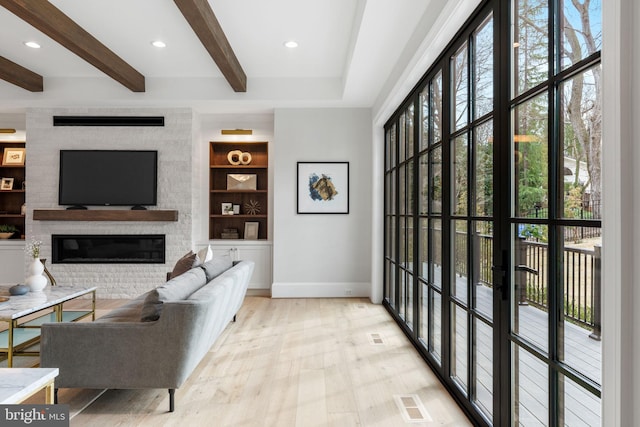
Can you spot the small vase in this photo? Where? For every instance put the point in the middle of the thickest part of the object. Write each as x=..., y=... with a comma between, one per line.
x=36, y=281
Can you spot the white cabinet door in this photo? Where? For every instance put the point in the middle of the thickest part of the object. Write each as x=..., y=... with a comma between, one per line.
x=259, y=254
x=12, y=262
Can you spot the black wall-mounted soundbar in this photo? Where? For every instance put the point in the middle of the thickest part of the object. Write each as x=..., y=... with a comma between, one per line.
x=108, y=120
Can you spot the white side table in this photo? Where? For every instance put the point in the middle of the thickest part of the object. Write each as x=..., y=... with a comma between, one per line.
x=18, y=384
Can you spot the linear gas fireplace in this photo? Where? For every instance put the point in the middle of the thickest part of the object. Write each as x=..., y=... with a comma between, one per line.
x=108, y=249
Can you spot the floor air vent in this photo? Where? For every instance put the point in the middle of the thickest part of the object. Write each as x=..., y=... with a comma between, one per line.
x=411, y=408
x=358, y=306
x=376, y=339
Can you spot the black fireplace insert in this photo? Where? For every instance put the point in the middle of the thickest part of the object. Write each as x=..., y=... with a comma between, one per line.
x=108, y=249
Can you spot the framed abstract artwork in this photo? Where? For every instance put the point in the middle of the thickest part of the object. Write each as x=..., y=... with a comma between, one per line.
x=13, y=157
x=323, y=187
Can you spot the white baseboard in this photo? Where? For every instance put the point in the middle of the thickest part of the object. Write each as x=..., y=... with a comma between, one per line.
x=321, y=290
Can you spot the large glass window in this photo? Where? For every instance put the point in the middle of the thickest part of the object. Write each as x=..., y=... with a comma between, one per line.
x=556, y=246
x=430, y=213
x=492, y=214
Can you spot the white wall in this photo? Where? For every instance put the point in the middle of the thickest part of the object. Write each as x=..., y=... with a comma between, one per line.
x=621, y=232
x=175, y=186
x=15, y=121
x=322, y=255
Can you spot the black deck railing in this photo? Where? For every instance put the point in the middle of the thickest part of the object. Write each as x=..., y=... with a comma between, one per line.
x=590, y=210
x=581, y=276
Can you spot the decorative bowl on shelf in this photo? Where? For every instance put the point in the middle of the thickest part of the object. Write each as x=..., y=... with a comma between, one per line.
x=6, y=235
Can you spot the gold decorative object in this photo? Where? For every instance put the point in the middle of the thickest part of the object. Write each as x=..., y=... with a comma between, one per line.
x=252, y=207
x=236, y=132
x=237, y=181
x=48, y=273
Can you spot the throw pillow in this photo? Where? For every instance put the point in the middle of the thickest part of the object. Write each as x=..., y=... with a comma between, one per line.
x=175, y=289
x=205, y=254
x=184, y=264
x=216, y=266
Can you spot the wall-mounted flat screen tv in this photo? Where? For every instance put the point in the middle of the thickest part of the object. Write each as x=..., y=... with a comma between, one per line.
x=108, y=178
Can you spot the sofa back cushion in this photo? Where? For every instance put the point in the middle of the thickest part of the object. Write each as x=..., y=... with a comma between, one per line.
x=216, y=266
x=176, y=289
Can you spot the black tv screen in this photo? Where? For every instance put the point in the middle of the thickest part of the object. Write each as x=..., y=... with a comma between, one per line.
x=108, y=177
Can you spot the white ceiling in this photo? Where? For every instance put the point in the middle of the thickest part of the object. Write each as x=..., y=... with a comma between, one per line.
x=347, y=50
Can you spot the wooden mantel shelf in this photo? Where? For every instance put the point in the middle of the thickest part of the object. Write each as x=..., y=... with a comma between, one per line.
x=104, y=215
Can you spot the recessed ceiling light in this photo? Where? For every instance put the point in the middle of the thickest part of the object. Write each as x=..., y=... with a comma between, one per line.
x=291, y=44
x=159, y=43
x=33, y=45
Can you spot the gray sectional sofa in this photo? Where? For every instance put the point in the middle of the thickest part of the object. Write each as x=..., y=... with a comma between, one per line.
x=155, y=340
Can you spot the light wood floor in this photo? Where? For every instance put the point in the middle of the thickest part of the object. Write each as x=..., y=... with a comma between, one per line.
x=292, y=362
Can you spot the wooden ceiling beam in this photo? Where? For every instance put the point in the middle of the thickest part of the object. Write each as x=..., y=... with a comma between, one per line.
x=50, y=20
x=20, y=76
x=204, y=23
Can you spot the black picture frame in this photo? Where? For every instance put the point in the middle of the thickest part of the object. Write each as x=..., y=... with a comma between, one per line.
x=322, y=187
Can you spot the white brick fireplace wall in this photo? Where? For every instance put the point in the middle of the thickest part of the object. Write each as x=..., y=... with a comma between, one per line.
x=175, y=145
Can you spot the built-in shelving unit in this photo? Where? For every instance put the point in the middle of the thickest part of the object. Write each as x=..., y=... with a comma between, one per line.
x=220, y=192
x=104, y=215
x=11, y=201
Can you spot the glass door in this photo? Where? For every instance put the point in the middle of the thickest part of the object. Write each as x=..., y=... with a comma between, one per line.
x=471, y=222
x=492, y=214
x=555, y=249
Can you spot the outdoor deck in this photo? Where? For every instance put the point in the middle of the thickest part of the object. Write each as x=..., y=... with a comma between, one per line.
x=582, y=353
x=531, y=377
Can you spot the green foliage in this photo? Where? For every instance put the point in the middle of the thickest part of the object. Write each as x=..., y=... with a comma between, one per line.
x=573, y=200
x=8, y=228
x=532, y=176
x=532, y=39
x=484, y=171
